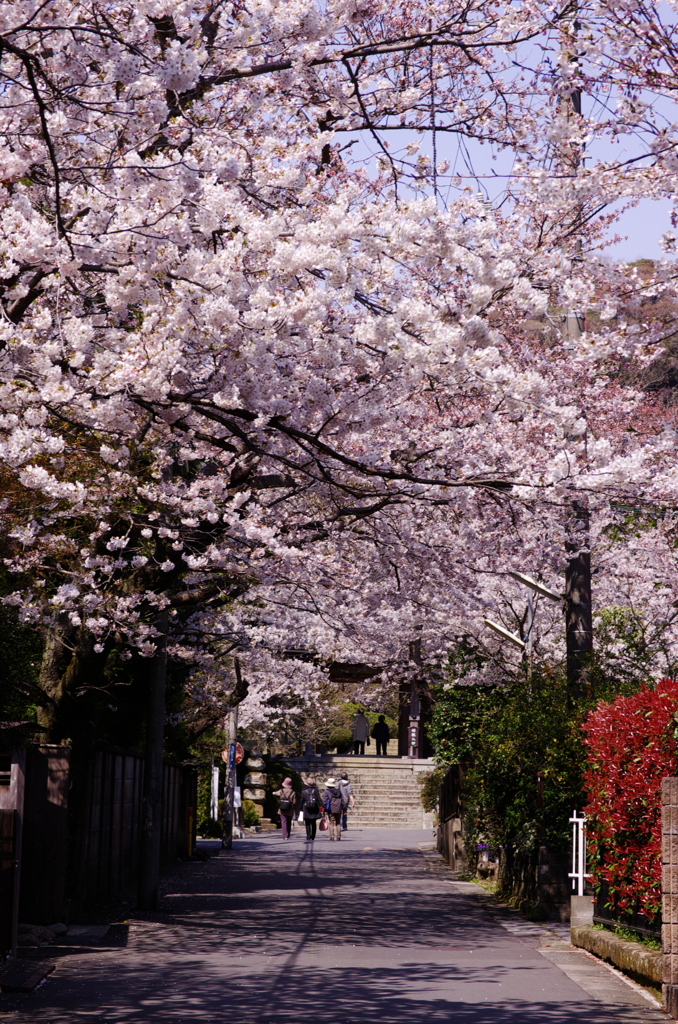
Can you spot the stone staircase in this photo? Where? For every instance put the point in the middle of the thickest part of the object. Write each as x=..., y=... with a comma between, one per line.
x=386, y=789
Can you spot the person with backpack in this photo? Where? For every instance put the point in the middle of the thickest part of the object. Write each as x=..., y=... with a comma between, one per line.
x=333, y=801
x=310, y=806
x=288, y=799
x=347, y=799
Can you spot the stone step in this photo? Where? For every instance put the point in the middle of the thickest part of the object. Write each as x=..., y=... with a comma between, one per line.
x=387, y=789
x=385, y=798
x=326, y=765
x=381, y=790
x=377, y=819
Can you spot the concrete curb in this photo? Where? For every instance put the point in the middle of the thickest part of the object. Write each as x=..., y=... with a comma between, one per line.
x=645, y=965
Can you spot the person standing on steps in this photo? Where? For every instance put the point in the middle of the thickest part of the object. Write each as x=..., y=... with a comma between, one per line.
x=382, y=734
x=361, y=732
x=310, y=807
x=288, y=800
x=332, y=803
x=347, y=798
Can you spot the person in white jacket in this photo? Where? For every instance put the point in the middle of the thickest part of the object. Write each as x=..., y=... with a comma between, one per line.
x=361, y=732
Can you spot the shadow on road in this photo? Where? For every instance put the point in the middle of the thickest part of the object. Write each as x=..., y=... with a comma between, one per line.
x=273, y=933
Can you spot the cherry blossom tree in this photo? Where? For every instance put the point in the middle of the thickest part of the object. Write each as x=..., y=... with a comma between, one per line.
x=260, y=383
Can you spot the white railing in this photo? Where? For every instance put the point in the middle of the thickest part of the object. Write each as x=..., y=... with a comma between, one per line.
x=578, y=873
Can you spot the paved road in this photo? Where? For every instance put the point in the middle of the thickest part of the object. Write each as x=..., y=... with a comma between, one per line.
x=366, y=931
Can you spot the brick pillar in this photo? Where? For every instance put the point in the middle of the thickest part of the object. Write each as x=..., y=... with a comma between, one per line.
x=670, y=894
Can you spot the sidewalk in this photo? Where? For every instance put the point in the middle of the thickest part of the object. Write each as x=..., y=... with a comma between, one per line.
x=364, y=931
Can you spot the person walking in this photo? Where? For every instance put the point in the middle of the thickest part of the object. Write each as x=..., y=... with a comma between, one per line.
x=382, y=734
x=347, y=798
x=332, y=804
x=361, y=732
x=310, y=806
x=287, y=802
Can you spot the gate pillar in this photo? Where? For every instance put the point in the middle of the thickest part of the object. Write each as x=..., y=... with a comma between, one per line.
x=670, y=894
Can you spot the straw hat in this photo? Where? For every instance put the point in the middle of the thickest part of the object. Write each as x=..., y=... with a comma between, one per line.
x=330, y=782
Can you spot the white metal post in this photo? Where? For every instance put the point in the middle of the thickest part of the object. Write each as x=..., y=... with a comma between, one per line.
x=214, y=801
x=578, y=873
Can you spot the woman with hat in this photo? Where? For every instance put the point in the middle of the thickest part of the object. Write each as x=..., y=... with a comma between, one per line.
x=310, y=806
x=288, y=799
x=332, y=800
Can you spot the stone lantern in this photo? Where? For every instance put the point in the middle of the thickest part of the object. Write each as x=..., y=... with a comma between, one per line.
x=255, y=781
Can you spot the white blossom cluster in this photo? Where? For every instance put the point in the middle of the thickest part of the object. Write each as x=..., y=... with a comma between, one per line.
x=289, y=397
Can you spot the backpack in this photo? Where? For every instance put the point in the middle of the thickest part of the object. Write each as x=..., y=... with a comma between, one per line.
x=311, y=800
x=286, y=804
x=333, y=804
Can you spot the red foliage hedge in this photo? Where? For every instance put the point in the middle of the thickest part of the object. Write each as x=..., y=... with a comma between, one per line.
x=632, y=747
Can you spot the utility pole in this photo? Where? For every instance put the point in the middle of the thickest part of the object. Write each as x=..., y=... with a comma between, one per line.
x=578, y=607
x=151, y=826
x=229, y=789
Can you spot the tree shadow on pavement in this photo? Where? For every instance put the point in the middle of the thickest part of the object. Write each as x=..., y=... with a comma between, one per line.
x=275, y=934
x=188, y=993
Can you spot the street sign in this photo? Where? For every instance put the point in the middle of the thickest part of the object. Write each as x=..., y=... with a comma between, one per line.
x=233, y=755
x=239, y=753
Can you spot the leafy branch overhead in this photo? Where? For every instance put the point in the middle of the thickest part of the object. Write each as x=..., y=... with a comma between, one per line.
x=269, y=362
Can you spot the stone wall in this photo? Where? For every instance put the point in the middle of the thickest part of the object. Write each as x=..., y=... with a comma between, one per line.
x=670, y=893
x=640, y=963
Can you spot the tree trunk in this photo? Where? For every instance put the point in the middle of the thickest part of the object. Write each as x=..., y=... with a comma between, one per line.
x=151, y=827
x=578, y=610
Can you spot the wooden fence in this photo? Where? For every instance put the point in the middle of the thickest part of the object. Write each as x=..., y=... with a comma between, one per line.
x=53, y=856
x=44, y=853
x=451, y=819
x=7, y=880
x=110, y=848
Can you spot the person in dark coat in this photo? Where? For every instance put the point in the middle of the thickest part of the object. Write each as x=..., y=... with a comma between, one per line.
x=311, y=807
x=382, y=734
x=333, y=802
x=288, y=800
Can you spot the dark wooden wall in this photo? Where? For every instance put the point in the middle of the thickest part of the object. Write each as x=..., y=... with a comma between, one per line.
x=103, y=858
x=8, y=820
x=110, y=829
x=44, y=856
x=109, y=857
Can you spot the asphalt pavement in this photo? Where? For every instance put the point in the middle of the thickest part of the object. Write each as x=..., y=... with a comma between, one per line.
x=369, y=930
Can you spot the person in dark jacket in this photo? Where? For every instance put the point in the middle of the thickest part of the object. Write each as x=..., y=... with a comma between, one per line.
x=310, y=806
x=288, y=800
x=333, y=801
x=382, y=734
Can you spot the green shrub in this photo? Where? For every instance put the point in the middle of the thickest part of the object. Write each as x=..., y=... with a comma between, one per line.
x=430, y=783
x=340, y=739
x=208, y=828
x=250, y=815
x=507, y=737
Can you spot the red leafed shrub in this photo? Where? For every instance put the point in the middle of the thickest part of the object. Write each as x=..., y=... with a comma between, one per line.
x=632, y=747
